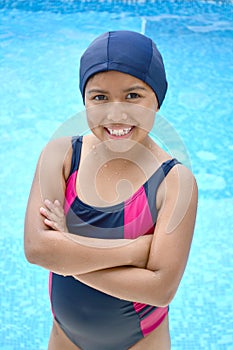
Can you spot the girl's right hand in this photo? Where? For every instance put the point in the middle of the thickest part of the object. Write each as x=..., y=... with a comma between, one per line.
x=54, y=216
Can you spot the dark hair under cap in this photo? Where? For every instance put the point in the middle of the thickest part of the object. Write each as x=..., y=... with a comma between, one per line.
x=127, y=52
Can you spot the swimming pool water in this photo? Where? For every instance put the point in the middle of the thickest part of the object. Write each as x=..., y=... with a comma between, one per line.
x=40, y=45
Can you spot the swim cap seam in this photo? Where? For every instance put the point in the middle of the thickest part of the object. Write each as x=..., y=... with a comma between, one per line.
x=108, y=49
x=108, y=64
x=151, y=56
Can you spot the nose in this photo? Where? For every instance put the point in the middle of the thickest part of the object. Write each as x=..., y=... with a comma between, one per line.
x=116, y=112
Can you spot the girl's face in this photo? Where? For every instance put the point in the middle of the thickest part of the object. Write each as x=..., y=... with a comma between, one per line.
x=119, y=107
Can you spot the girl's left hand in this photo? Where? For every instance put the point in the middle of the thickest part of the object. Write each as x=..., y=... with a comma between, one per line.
x=54, y=215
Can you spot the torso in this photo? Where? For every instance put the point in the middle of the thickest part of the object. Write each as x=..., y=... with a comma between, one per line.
x=99, y=210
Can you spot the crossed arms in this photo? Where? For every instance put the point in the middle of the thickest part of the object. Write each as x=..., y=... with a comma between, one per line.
x=146, y=270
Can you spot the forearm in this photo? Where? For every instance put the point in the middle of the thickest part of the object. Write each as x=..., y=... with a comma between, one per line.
x=129, y=283
x=69, y=254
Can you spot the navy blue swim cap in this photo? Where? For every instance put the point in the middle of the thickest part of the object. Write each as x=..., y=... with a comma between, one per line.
x=127, y=52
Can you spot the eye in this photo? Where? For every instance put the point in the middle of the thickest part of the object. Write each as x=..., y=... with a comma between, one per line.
x=132, y=95
x=99, y=98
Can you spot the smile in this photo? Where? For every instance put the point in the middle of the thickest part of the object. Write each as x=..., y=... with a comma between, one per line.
x=119, y=132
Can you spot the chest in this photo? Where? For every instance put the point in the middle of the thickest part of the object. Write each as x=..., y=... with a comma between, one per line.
x=109, y=182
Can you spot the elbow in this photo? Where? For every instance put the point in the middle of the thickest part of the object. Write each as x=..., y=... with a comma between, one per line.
x=166, y=298
x=31, y=252
x=33, y=249
x=31, y=257
x=166, y=289
x=41, y=250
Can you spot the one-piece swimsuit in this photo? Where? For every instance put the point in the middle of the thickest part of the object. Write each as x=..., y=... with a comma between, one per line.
x=92, y=319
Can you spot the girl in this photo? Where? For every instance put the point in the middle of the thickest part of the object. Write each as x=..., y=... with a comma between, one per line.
x=111, y=214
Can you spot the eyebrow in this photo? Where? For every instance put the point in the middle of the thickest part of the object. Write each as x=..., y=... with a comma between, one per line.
x=135, y=87
x=131, y=88
x=96, y=91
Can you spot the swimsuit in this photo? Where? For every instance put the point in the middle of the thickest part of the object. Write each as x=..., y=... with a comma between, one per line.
x=92, y=319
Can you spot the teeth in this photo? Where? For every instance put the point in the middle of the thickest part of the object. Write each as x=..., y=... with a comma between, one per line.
x=119, y=132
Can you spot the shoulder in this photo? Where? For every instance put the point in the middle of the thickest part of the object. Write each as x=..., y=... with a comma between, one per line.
x=61, y=143
x=181, y=176
x=57, y=154
x=180, y=180
x=177, y=174
x=179, y=186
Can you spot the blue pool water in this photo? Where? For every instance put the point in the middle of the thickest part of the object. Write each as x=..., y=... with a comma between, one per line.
x=40, y=46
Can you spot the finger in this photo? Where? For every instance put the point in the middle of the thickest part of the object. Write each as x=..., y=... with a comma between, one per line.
x=49, y=206
x=51, y=224
x=55, y=207
x=58, y=208
x=57, y=203
x=43, y=212
x=53, y=217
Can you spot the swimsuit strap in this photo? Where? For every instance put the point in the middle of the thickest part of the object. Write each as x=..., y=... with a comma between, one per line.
x=168, y=165
x=153, y=183
x=155, y=180
x=76, y=154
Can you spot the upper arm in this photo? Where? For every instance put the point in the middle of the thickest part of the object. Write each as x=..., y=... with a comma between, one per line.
x=48, y=183
x=174, y=228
